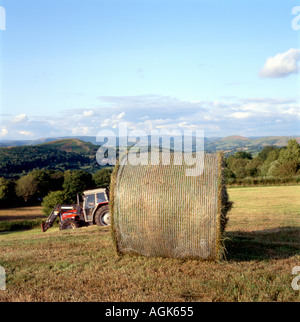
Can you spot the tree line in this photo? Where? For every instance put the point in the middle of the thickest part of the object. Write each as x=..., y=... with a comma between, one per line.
x=271, y=164
x=42, y=185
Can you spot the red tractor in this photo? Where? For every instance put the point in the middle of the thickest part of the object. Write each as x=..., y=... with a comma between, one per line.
x=94, y=210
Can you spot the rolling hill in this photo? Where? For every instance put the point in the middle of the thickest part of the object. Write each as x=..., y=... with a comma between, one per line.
x=56, y=155
x=231, y=144
x=65, y=153
x=71, y=146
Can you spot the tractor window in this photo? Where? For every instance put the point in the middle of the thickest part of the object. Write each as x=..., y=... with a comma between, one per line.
x=100, y=197
x=90, y=201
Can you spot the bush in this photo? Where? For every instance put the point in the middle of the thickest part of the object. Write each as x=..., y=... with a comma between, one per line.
x=102, y=178
x=263, y=181
x=19, y=225
x=52, y=199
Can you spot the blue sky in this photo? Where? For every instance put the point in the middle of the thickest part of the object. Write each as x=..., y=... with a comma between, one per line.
x=74, y=67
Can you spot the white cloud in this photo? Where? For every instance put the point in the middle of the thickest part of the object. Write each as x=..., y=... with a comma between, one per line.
x=81, y=130
x=88, y=113
x=247, y=116
x=4, y=131
x=292, y=111
x=25, y=133
x=144, y=118
x=20, y=118
x=281, y=65
x=240, y=115
x=113, y=121
x=120, y=116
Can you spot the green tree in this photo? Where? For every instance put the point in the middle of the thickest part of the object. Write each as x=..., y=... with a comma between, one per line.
x=4, y=188
x=288, y=163
x=283, y=168
x=291, y=152
x=75, y=182
x=56, y=179
x=273, y=156
x=243, y=155
x=264, y=169
x=52, y=199
x=27, y=187
x=265, y=152
x=228, y=174
x=237, y=166
x=102, y=178
x=252, y=167
x=271, y=169
x=42, y=179
x=269, y=164
x=241, y=173
x=8, y=196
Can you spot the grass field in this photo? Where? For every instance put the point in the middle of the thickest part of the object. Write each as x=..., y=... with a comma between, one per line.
x=263, y=246
x=22, y=213
x=20, y=218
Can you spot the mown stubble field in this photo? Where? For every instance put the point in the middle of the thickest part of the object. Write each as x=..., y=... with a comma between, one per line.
x=263, y=246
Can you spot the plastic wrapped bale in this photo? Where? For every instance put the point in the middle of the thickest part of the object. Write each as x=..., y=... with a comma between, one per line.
x=157, y=210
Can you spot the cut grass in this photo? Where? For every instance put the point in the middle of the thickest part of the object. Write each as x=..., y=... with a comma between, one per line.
x=260, y=208
x=82, y=265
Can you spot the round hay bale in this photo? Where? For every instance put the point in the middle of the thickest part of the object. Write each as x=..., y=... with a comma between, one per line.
x=157, y=210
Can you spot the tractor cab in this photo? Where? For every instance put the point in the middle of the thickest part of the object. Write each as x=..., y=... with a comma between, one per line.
x=92, y=201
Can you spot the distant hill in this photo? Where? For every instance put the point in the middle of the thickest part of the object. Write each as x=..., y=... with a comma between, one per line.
x=4, y=143
x=71, y=145
x=215, y=143
x=64, y=153
x=228, y=143
x=274, y=140
x=56, y=155
x=254, y=145
x=235, y=138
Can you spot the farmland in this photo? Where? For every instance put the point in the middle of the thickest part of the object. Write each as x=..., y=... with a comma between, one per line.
x=20, y=218
x=263, y=238
x=21, y=213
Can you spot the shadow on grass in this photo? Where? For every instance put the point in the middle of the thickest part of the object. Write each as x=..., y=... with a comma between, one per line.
x=278, y=243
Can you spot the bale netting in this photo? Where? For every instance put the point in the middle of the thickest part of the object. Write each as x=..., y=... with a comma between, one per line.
x=157, y=210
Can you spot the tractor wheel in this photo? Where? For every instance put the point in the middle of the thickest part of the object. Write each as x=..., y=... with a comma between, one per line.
x=68, y=224
x=102, y=217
